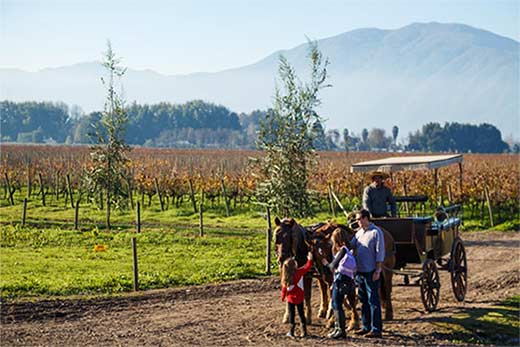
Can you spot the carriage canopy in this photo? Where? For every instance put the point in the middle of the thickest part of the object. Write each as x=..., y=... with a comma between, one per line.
x=393, y=164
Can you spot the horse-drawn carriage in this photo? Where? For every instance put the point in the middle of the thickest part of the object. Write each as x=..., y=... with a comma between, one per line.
x=431, y=241
x=416, y=247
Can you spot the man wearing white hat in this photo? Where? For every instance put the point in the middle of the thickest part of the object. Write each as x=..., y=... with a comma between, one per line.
x=376, y=196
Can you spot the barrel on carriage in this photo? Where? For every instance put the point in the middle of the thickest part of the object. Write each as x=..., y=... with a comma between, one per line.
x=425, y=244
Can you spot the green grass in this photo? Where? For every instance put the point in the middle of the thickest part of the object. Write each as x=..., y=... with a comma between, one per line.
x=58, y=213
x=48, y=262
x=48, y=258
x=125, y=219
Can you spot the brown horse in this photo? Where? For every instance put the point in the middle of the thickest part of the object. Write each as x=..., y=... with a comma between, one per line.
x=323, y=250
x=385, y=289
x=293, y=240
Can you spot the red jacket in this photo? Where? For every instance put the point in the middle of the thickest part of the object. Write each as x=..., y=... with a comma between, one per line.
x=294, y=293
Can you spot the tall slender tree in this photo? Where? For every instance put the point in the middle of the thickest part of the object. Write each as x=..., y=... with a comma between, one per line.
x=286, y=137
x=345, y=139
x=395, y=132
x=364, y=137
x=109, y=154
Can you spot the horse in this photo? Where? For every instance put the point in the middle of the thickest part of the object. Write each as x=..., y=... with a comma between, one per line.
x=323, y=246
x=385, y=288
x=293, y=240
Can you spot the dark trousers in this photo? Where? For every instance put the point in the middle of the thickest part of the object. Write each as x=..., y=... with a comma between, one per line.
x=368, y=293
x=292, y=313
x=341, y=286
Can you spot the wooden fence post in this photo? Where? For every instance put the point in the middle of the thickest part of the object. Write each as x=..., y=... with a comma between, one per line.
x=11, y=193
x=329, y=200
x=130, y=193
x=76, y=215
x=339, y=204
x=268, y=243
x=332, y=205
x=201, y=221
x=490, y=209
x=225, y=196
x=138, y=217
x=24, y=213
x=136, y=272
x=42, y=188
x=69, y=188
x=29, y=180
x=57, y=186
x=192, y=196
x=158, y=191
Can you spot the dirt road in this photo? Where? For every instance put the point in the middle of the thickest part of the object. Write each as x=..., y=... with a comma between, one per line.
x=249, y=312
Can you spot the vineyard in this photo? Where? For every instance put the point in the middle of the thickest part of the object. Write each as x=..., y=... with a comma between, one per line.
x=53, y=244
x=50, y=219
x=225, y=181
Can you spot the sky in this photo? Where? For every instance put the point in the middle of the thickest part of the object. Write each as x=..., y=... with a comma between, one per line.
x=183, y=37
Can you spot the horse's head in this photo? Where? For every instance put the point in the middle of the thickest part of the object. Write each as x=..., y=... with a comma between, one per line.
x=320, y=242
x=284, y=239
x=322, y=237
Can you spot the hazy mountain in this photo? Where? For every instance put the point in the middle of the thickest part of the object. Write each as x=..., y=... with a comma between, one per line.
x=405, y=77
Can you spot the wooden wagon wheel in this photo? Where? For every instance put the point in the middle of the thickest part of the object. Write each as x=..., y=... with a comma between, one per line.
x=430, y=285
x=458, y=270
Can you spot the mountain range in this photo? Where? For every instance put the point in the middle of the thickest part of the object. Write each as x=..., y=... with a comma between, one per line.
x=423, y=72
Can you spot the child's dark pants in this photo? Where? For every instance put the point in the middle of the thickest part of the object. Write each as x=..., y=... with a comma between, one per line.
x=292, y=313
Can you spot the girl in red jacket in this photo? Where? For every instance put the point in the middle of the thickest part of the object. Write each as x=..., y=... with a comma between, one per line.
x=292, y=289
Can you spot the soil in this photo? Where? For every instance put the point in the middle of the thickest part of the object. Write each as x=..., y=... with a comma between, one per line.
x=249, y=312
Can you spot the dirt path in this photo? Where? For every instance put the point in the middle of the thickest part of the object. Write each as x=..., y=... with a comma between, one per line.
x=249, y=312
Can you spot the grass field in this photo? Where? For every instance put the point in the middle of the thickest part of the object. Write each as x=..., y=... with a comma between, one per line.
x=42, y=262
x=47, y=257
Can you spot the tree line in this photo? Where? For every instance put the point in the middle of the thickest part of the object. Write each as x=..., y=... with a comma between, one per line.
x=200, y=124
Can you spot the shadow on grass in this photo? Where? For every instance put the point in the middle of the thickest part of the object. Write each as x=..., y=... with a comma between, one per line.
x=497, y=325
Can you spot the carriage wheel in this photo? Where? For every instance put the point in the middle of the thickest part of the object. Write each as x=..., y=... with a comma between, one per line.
x=430, y=285
x=458, y=270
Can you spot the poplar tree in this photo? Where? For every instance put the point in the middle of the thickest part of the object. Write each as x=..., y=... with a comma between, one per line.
x=109, y=160
x=287, y=139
